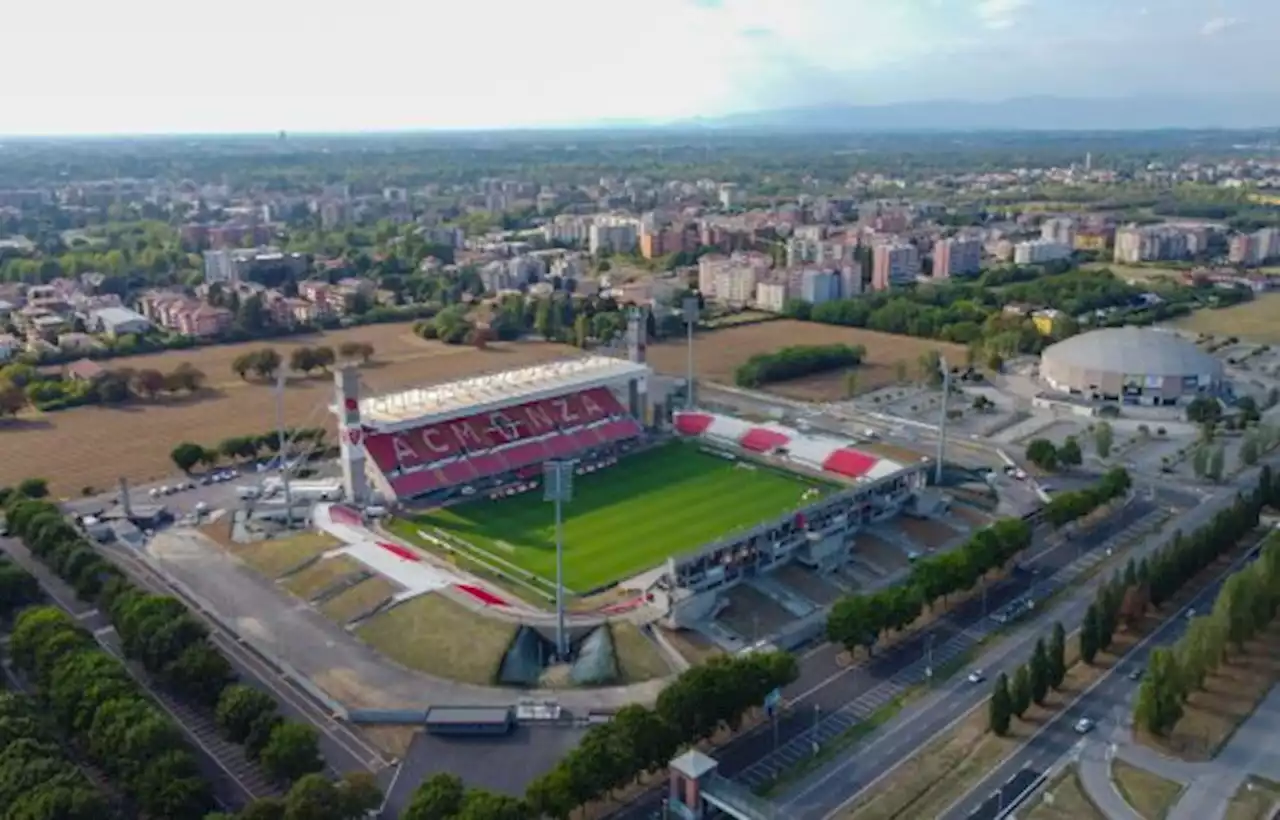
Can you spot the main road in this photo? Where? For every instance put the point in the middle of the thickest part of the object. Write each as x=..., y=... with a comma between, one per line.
x=831, y=696
x=1105, y=704
x=835, y=785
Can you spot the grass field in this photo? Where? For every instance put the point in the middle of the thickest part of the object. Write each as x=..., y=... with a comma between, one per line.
x=1150, y=795
x=359, y=599
x=1256, y=800
x=276, y=556
x=1141, y=273
x=1069, y=801
x=719, y=353
x=438, y=636
x=629, y=518
x=310, y=582
x=1253, y=321
x=94, y=446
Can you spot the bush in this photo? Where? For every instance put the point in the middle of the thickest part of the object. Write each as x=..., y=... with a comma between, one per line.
x=798, y=360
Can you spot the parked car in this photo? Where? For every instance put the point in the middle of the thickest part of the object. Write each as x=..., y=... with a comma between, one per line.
x=1136, y=673
x=1084, y=726
x=976, y=676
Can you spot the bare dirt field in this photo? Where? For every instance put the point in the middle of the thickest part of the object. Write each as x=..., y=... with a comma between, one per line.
x=717, y=354
x=1254, y=321
x=93, y=446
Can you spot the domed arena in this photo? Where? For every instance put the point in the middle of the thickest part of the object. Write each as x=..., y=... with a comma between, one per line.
x=1131, y=365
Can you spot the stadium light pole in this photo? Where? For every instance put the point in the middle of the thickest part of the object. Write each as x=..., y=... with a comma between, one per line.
x=942, y=421
x=281, y=378
x=557, y=485
x=689, y=309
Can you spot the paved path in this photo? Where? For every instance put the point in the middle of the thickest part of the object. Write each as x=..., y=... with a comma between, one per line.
x=1210, y=785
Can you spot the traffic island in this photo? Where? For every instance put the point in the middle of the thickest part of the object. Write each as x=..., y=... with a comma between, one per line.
x=1064, y=798
x=1150, y=795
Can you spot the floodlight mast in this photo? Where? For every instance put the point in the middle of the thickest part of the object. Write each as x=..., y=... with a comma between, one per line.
x=942, y=421
x=690, y=310
x=558, y=489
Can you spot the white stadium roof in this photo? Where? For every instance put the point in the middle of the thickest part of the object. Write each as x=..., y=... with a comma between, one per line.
x=495, y=390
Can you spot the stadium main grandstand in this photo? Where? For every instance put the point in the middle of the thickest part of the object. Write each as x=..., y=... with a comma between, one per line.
x=695, y=516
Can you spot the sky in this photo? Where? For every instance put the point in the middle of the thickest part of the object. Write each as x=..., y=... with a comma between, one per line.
x=155, y=66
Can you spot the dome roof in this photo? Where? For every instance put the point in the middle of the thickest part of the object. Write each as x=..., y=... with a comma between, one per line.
x=1134, y=351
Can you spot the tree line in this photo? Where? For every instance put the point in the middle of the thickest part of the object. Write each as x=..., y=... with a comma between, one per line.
x=1246, y=605
x=611, y=755
x=188, y=454
x=1046, y=670
x=1072, y=505
x=1047, y=456
x=172, y=645
x=859, y=620
x=266, y=362
x=22, y=385
x=796, y=361
x=1152, y=582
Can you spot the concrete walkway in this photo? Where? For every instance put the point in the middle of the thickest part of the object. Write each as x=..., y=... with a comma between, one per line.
x=1210, y=786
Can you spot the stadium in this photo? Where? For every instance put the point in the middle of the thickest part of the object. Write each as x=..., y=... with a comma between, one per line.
x=1133, y=366
x=693, y=501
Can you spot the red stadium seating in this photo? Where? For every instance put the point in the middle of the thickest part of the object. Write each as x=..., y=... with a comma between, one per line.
x=693, y=424
x=763, y=439
x=495, y=442
x=851, y=463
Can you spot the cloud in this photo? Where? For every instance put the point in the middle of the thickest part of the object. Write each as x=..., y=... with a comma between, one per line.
x=707, y=4
x=998, y=14
x=1218, y=25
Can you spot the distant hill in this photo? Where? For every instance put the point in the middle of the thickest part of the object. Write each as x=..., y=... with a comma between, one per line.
x=1023, y=113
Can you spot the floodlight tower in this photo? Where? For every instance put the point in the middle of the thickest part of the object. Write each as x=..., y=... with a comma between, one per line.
x=282, y=377
x=689, y=309
x=557, y=483
x=942, y=421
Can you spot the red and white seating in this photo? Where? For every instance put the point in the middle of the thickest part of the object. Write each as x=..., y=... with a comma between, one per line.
x=465, y=449
x=812, y=451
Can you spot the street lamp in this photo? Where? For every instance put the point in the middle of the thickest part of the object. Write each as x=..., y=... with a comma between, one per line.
x=557, y=482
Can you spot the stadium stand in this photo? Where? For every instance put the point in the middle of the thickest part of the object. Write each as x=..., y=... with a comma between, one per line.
x=812, y=452
x=508, y=439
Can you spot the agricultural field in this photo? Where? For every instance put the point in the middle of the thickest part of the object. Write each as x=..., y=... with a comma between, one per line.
x=1253, y=321
x=623, y=520
x=719, y=353
x=91, y=447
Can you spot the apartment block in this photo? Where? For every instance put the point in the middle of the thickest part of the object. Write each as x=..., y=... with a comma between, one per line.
x=956, y=257
x=771, y=296
x=613, y=234
x=1153, y=243
x=818, y=286
x=1061, y=230
x=1039, y=251
x=894, y=264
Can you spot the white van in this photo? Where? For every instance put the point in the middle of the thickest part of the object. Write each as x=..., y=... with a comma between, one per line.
x=247, y=492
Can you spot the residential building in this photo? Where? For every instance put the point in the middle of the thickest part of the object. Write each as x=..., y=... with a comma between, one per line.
x=896, y=263
x=1255, y=248
x=1061, y=230
x=730, y=196
x=185, y=315
x=736, y=284
x=1093, y=239
x=957, y=257
x=567, y=229
x=1040, y=251
x=10, y=346
x=818, y=286
x=802, y=251
x=614, y=234
x=235, y=264
x=771, y=296
x=1152, y=243
x=118, y=321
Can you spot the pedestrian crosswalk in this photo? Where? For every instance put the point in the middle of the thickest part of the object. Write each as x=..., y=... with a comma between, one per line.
x=949, y=644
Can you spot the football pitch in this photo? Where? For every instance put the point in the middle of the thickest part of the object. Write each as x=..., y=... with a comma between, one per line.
x=626, y=518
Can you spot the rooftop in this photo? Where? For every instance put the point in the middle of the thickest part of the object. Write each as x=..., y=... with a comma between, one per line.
x=497, y=389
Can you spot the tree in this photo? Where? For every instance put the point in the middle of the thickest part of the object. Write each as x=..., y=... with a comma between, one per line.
x=1249, y=451
x=1200, y=460
x=1000, y=707
x=483, y=805
x=1069, y=454
x=242, y=365
x=1058, y=656
x=1204, y=410
x=581, y=330
x=266, y=362
x=438, y=798
x=148, y=382
x=1043, y=454
x=33, y=488
x=1089, y=643
x=187, y=455
x=291, y=752
x=1217, y=461
x=187, y=377
x=1040, y=672
x=362, y=350
x=1103, y=438
x=303, y=359
x=238, y=708
x=1159, y=704
x=851, y=384
x=1020, y=691
x=323, y=357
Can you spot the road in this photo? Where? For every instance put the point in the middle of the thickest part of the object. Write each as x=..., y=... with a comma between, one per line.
x=834, y=697
x=838, y=783
x=1106, y=703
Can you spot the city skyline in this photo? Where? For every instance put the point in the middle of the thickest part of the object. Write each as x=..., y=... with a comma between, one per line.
x=139, y=67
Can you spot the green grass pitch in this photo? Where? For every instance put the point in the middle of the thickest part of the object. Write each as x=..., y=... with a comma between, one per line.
x=626, y=518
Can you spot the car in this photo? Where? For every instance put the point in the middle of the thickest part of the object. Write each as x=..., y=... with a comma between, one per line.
x=976, y=676
x=1136, y=673
x=1083, y=726
x=1191, y=613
